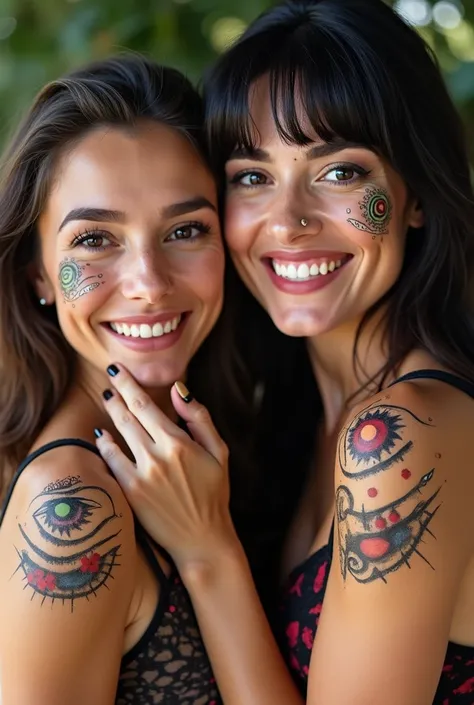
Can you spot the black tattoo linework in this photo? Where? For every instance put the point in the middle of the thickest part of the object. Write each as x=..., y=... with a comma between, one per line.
x=376, y=209
x=72, y=279
x=370, y=555
x=65, y=518
x=373, y=434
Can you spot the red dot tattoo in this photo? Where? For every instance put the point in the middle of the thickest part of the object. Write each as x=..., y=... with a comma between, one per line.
x=372, y=492
x=406, y=474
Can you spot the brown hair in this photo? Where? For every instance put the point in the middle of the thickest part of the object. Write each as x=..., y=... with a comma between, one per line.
x=36, y=362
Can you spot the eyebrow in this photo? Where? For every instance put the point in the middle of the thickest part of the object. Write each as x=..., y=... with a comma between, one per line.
x=317, y=151
x=104, y=215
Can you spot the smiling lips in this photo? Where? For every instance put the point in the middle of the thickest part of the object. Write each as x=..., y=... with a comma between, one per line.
x=145, y=330
x=304, y=272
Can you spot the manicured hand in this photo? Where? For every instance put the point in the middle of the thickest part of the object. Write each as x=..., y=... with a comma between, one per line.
x=178, y=486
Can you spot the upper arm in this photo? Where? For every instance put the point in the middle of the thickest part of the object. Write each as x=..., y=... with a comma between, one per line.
x=401, y=546
x=66, y=559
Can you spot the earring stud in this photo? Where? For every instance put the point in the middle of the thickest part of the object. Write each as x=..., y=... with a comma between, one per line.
x=42, y=302
x=304, y=222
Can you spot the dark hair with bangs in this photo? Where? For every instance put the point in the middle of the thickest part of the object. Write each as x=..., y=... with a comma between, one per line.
x=363, y=76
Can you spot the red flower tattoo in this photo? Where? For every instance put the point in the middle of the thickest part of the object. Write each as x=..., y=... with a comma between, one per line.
x=90, y=564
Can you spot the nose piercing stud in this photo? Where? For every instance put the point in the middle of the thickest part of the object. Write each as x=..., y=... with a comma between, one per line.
x=304, y=222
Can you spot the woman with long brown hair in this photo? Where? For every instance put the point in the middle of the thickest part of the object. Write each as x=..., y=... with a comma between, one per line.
x=110, y=248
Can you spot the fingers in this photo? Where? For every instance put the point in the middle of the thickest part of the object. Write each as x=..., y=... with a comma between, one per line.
x=126, y=424
x=122, y=468
x=141, y=405
x=199, y=422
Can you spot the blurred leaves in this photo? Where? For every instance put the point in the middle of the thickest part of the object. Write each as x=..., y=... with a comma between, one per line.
x=41, y=39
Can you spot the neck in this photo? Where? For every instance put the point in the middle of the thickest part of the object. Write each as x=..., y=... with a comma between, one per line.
x=340, y=377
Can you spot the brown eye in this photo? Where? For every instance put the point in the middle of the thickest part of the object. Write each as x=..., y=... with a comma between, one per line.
x=94, y=241
x=343, y=174
x=251, y=178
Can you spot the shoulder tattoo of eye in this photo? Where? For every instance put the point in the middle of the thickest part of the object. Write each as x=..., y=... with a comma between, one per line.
x=378, y=539
x=376, y=211
x=81, y=523
x=74, y=280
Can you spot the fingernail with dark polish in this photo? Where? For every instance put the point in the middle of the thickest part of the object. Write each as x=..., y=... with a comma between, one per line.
x=113, y=370
x=107, y=394
x=98, y=433
x=183, y=392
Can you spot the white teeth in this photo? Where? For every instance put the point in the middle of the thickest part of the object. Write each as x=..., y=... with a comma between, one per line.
x=303, y=271
x=144, y=330
x=291, y=272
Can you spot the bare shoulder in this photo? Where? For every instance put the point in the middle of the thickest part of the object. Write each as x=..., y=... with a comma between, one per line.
x=66, y=531
x=403, y=486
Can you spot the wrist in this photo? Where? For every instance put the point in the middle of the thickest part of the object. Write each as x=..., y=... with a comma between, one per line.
x=218, y=557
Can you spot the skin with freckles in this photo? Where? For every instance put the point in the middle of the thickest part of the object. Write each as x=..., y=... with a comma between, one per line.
x=269, y=189
x=135, y=252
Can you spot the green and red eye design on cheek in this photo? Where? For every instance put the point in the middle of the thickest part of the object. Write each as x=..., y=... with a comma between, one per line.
x=376, y=212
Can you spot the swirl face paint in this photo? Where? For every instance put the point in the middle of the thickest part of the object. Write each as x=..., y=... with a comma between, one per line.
x=74, y=281
x=376, y=211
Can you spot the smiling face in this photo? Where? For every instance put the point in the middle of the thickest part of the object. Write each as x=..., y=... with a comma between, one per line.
x=318, y=232
x=131, y=251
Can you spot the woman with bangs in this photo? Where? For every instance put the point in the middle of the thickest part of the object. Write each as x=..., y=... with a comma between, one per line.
x=349, y=217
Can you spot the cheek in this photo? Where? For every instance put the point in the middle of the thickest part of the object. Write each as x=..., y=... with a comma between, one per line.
x=203, y=275
x=78, y=279
x=239, y=221
x=372, y=213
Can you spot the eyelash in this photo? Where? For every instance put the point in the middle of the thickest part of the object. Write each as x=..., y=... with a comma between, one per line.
x=236, y=180
x=202, y=228
x=81, y=238
x=85, y=235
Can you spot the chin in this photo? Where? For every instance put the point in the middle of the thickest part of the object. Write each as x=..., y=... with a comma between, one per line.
x=301, y=323
x=154, y=375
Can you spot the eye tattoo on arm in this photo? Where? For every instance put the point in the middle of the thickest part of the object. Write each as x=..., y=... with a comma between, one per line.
x=74, y=281
x=376, y=211
x=377, y=541
x=80, y=522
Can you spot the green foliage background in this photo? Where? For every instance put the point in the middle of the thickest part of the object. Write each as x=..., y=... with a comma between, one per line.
x=41, y=39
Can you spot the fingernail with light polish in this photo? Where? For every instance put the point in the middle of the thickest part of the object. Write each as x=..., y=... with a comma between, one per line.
x=183, y=392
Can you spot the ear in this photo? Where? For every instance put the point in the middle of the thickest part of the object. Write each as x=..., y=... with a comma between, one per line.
x=40, y=282
x=416, y=216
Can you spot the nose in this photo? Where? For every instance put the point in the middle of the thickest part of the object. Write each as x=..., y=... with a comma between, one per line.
x=292, y=218
x=147, y=277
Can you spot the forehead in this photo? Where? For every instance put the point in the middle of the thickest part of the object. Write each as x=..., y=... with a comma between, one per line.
x=129, y=169
x=263, y=119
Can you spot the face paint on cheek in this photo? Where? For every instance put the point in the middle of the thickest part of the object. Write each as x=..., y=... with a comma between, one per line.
x=376, y=212
x=74, y=281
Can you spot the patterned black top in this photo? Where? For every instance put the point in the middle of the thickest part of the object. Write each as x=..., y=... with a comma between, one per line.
x=303, y=600
x=169, y=664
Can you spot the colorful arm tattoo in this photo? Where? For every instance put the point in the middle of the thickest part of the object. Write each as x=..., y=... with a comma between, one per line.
x=376, y=540
x=69, y=530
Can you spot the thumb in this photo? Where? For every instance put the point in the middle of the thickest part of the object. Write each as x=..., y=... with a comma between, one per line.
x=199, y=422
